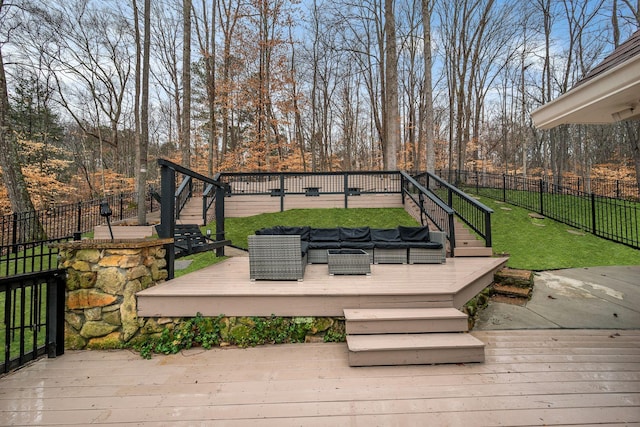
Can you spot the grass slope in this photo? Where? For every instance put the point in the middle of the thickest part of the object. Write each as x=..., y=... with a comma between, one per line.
x=544, y=244
x=532, y=244
x=237, y=229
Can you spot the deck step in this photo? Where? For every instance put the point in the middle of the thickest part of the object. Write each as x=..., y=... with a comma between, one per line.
x=404, y=320
x=473, y=252
x=414, y=349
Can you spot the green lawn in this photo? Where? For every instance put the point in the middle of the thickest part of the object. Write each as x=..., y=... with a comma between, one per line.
x=238, y=229
x=15, y=314
x=544, y=244
x=612, y=217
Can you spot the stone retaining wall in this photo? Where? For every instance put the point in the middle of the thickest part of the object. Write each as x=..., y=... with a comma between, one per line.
x=102, y=280
x=103, y=277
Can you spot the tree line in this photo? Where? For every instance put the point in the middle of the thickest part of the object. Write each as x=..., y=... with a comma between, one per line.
x=91, y=92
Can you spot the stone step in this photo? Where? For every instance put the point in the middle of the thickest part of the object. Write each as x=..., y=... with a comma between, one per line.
x=511, y=291
x=514, y=277
x=472, y=251
x=414, y=349
x=404, y=320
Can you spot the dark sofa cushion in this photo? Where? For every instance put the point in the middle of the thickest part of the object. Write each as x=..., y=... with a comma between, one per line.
x=269, y=231
x=303, y=231
x=387, y=238
x=355, y=234
x=425, y=245
x=414, y=234
x=324, y=245
x=385, y=235
x=356, y=245
x=325, y=235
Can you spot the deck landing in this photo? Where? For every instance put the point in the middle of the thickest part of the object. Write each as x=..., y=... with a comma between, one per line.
x=225, y=288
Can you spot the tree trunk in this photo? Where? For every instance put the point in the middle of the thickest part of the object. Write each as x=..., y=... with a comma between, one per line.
x=143, y=144
x=428, y=90
x=633, y=132
x=185, y=139
x=392, y=116
x=10, y=163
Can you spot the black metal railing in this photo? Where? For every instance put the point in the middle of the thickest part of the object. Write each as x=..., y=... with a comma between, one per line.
x=24, y=237
x=613, y=188
x=470, y=211
x=608, y=217
x=430, y=207
x=33, y=317
x=169, y=201
x=63, y=220
x=311, y=184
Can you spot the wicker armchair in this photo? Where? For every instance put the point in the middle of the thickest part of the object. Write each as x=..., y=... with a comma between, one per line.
x=276, y=257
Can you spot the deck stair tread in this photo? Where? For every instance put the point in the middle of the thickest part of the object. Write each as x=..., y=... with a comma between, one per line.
x=360, y=314
x=414, y=349
x=359, y=343
x=471, y=251
x=405, y=320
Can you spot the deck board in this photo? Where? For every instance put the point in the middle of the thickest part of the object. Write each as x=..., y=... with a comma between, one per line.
x=568, y=381
x=225, y=288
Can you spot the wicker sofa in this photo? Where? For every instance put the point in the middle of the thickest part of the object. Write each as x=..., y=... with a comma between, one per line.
x=281, y=252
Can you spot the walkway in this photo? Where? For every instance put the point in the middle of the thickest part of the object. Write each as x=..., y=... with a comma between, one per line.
x=541, y=377
x=594, y=297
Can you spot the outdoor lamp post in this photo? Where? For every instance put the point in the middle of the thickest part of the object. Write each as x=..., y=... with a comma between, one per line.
x=105, y=211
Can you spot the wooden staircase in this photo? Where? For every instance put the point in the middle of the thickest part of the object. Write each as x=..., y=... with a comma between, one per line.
x=192, y=212
x=410, y=336
x=468, y=244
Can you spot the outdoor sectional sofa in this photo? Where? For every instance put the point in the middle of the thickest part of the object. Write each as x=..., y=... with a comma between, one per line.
x=282, y=252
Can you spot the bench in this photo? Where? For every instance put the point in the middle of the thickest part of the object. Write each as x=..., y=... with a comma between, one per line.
x=188, y=239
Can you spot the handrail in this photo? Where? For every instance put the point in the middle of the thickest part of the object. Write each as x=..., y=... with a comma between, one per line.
x=167, y=226
x=208, y=199
x=436, y=210
x=183, y=194
x=472, y=212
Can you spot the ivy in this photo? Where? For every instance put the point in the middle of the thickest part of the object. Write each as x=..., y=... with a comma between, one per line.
x=207, y=332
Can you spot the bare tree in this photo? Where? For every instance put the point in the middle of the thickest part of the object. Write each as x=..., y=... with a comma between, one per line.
x=185, y=137
x=427, y=89
x=392, y=116
x=206, y=33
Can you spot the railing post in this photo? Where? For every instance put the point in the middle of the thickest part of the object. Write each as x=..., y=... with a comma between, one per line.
x=504, y=188
x=487, y=229
x=14, y=233
x=55, y=316
x=167, y=212
x=541, y=189
x=452, y=234
x=345, y=188
x=282, y=190
x=121, y=206
x=220, y=218
x=594, y=228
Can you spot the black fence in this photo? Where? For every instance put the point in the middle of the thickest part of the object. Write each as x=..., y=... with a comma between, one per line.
x=616, y=219
x=33, y=317
x=24, y=237
x=614, y=188
x=279, y=184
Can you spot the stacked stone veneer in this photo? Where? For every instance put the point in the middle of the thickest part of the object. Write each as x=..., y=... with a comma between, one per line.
x=102, y=280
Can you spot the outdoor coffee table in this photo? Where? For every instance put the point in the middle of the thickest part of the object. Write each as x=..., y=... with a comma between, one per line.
x=348, y=261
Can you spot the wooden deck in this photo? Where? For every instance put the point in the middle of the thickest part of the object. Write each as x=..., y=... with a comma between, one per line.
x=225, y=288
x=534, y=377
